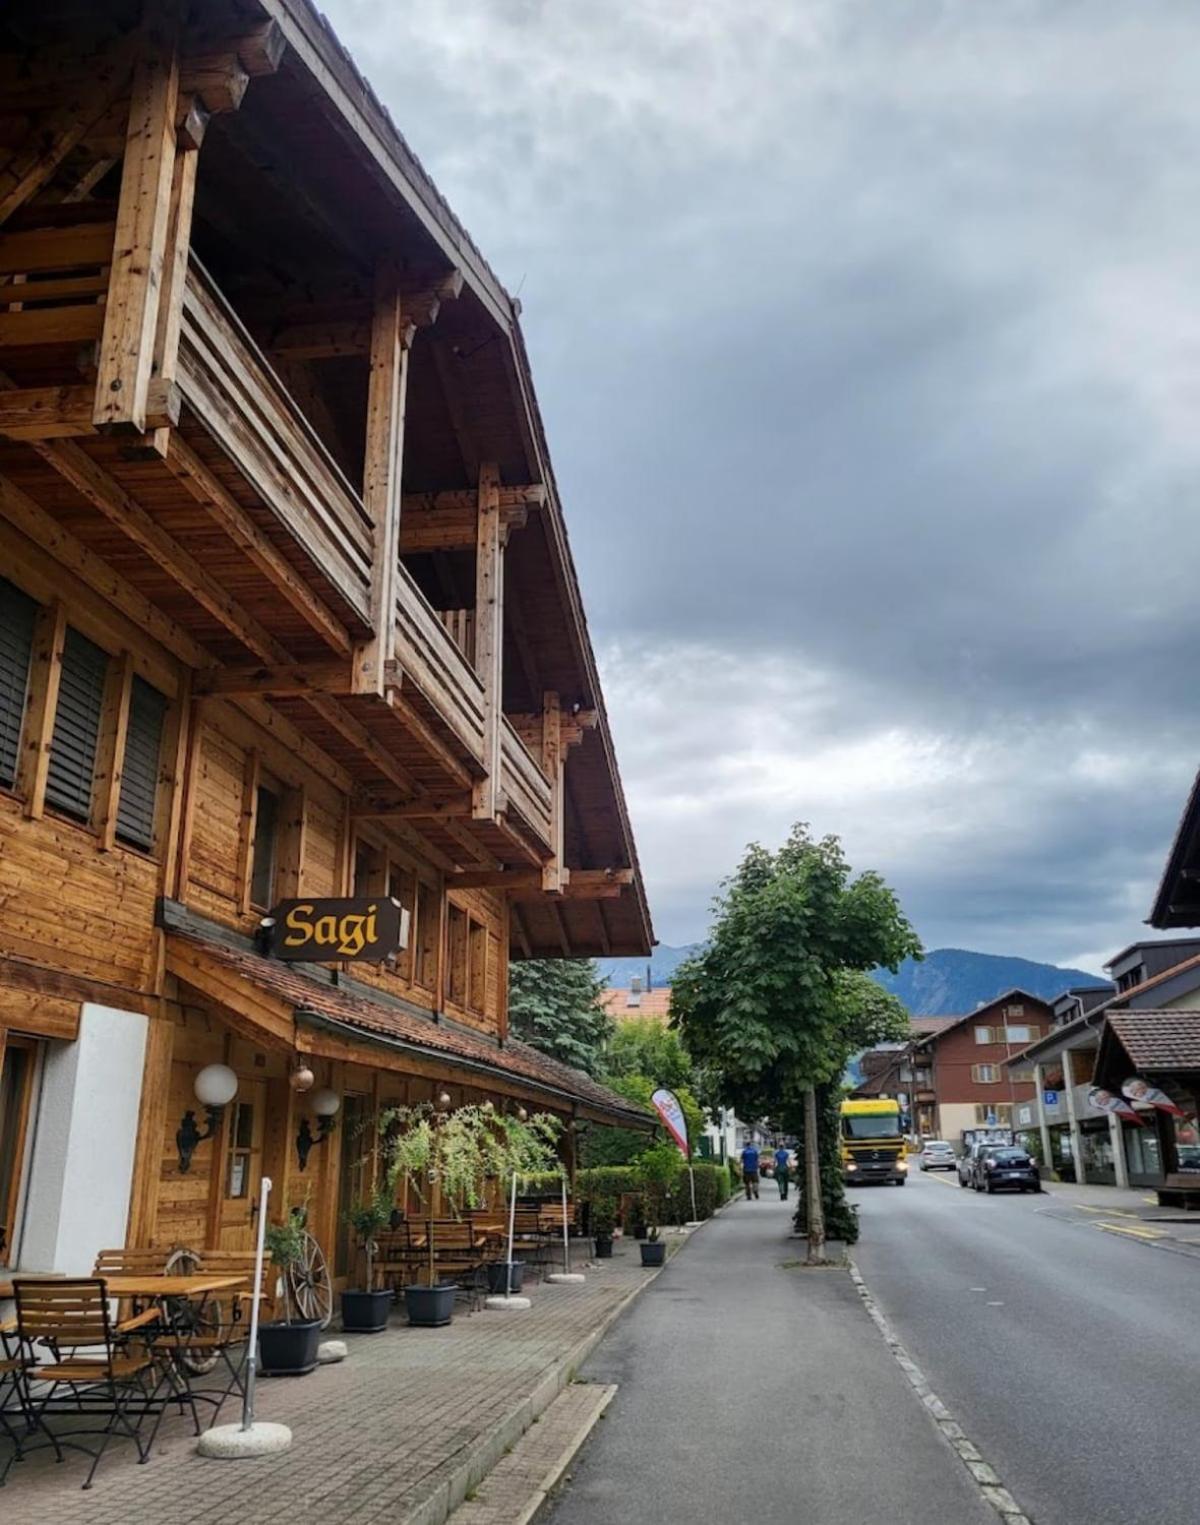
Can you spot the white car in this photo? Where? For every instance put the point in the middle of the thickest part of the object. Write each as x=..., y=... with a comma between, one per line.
x=936, y=1154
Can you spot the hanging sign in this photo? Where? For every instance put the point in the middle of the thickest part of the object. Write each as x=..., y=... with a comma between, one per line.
x=666, y=1104
x=326, y=931
x=1105, y=1101
x=1143, y=1091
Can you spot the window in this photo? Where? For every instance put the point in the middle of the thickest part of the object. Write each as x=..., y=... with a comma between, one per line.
x=402, y=887
x=18, y=615
x=1018, y=1034
x=16, y=1093
x=368, y=870
x=457, y=954
x=477, y=973
x=1016, y=1010
x=139, y=773
x=989, y=1116
x=986, y=1074
x=1187, y=1136
x=241, y=1148
x=266, y=841
x=76, y=732
x=1023, y=1074
x=984, y=1035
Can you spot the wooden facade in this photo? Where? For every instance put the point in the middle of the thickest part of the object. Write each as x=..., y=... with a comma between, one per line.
x=286, y=608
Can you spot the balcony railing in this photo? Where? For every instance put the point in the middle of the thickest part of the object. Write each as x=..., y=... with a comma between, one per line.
x=525, y=786
x=427, y=652
x=230, y=386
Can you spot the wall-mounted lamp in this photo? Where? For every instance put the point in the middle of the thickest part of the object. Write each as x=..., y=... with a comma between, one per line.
x=443, y=1101
x=302, y=1078
x=215, y=1087
x=325, y=1104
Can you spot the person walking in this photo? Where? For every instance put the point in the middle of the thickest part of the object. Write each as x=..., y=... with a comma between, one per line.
x=750, y=1171
x=782, y=1163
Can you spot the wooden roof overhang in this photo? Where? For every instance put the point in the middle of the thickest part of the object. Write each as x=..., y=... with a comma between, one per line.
x=299, y=1010
x=1160, y=1043
x=1177, y=901
x=321, y=180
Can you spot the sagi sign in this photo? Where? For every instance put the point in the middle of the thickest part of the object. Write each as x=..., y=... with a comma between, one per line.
x=371, y=928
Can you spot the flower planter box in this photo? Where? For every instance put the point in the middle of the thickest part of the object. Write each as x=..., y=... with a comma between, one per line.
x=366, y=1312
x=497, y=1275
x=430, y=1307
x=288, y=1350
x=604, y=1246
x=654, y=1252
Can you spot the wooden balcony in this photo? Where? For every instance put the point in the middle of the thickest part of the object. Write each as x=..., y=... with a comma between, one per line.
x=229, y=385
x=525, y=788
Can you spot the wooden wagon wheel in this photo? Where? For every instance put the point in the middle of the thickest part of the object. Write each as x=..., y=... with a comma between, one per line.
x=193, y=1318
x=309, y=1285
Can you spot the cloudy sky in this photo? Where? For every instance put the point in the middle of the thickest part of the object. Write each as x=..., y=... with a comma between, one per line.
x=868, y=340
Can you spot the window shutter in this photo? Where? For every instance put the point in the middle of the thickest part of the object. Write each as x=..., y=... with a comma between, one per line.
x=139, y=774
x=17, y=618
x=76, y=726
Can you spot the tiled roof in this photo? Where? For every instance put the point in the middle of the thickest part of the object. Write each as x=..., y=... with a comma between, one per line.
x=1158, y=1040
x=924, y=1026
x=391, y=1019
x=651, y=1003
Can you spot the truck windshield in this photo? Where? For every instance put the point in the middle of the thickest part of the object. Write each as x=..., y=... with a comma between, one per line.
x=886, y=1125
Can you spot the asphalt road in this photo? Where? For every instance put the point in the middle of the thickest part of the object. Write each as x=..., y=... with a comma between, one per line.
x=752, y=1392
x=1070, y=1355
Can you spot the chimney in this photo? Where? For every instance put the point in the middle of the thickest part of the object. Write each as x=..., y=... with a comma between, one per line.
x=634, y=998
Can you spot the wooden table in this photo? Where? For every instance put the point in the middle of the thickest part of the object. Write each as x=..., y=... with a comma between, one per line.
x=155, y=1287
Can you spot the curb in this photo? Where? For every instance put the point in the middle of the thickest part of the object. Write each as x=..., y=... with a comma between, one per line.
x=566, y=1456
x=468, y=1472
x=988, y=1481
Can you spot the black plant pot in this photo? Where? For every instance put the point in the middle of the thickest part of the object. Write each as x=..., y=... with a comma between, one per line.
x=430, y=1307
x=497, y=1272
x=366, y=1312
x=604, y=1246
x=288, y=1350
x=639, y=1230
x=654, y=1253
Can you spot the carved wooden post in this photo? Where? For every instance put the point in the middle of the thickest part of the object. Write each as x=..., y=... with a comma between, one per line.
x=552, y=764
x=489, y=635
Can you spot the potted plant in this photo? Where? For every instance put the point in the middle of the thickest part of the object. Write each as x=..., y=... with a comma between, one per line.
x=654, y=1251
x=603, y=1221
x=365, y=1310
x=505, y=1276
x=287, y=1346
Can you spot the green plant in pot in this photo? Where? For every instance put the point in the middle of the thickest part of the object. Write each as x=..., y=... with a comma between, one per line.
x=654, y=1250
x=365, y=1310
x=604, y=1220
x=287, y=1346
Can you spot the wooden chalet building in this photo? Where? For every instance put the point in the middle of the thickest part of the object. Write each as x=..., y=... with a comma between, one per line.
x=287, y=610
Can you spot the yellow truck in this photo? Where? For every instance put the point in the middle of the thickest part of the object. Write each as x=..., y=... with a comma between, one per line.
x=872, y=1142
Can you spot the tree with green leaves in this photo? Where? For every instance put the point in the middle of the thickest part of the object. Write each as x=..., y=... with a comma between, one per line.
x=779, y=998
x=554, y=1005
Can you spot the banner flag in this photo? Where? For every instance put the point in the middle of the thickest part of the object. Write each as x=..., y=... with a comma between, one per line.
x=1142, y=1090
x=1105, y=1101
x=666, y=1104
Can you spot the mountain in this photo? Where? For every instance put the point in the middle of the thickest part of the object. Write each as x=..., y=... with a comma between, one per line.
x=953, y=981
x=948, y=981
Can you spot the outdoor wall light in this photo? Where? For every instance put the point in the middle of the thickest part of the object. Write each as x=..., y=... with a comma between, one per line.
x=215, y=1087
x=325, y=1104
x=302, y=1078
x=443, y=1101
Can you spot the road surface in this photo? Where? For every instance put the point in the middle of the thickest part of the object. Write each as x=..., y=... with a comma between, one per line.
x=753, y=1392
x=1069, y=1353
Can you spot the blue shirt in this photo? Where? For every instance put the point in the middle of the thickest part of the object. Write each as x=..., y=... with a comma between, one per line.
x=750, y=1159
x=782, y=1157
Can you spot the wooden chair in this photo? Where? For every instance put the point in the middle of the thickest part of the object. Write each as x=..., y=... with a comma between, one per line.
x=131, y=1262
x=107, y=1372
x=215, y=1331
x=12, y=1373
x=397, y=1254
x=458, y=1255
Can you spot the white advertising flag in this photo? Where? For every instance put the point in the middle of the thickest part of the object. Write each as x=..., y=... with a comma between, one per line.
x=1105, y=1101
x=1151, y=1096
x=666, y=1104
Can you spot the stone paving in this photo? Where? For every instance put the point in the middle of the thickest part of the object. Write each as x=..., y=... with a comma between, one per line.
x=389, y=1434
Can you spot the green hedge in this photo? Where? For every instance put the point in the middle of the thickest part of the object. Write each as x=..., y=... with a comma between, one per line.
x=712, y=1188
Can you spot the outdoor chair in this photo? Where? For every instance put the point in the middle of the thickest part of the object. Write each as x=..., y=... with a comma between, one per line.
x=11, y=1396
x=458, y=1256
x=215, y=1332
x=531, y=1237
x=396, y=1255
x=97, y=1369
x=131, y=1262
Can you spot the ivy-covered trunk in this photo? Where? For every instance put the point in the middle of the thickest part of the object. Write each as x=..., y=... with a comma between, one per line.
x=841, y=1221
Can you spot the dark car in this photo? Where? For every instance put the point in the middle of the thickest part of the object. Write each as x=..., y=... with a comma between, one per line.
x=965, y=1165
x=1004, y=1169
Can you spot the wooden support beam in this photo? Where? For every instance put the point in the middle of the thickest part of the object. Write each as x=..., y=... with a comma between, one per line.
x=298, y=680
x=425, y=734
x=560, y=927
x=447, y=521
x=328, y=338
x=46, y=413
x=383, y=464
x=143, y=217
x=35, y=161
x=494, y=879
x=489, y=634
x=425, y=809
x=354, y=732
x=552, y=766
x=208, y=490
x=110, y=750
x=518, y=925
x=44, y=675
x=219, y=79
x=191, y=123
x=56, y=248
x=175, y=264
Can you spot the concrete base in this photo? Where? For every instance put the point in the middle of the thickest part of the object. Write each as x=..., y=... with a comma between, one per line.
x=559, y=1278
x=503, y=1304
x=329, y=1351
x=229, y=1442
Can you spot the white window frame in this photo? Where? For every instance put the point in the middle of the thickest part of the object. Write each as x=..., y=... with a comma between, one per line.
x=985, y=1035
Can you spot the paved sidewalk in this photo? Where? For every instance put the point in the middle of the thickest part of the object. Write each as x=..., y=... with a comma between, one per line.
x=752, y=1390
x=1134, y=1213
x=381, y=1436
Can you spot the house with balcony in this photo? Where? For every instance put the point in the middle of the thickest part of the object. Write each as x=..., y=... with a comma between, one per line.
x=287, y=614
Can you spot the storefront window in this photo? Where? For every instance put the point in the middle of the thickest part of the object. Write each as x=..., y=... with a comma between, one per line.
x=1098, y=1157
x=1187, y=1138
x=1142, y=1153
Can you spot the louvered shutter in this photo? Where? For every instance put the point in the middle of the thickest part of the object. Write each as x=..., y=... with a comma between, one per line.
x=76, y=726
x=17, y=617
x=139, y=774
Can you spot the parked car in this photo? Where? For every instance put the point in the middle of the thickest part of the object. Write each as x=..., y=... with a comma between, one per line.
x=1005, y=1169
x=936, y=1154
x=966, y=1162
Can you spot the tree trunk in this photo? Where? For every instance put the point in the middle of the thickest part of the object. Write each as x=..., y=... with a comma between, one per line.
x=812, y=1184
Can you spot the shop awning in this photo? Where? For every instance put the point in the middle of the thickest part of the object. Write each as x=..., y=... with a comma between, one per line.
x=1147, y=1043
x=294, y=1007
